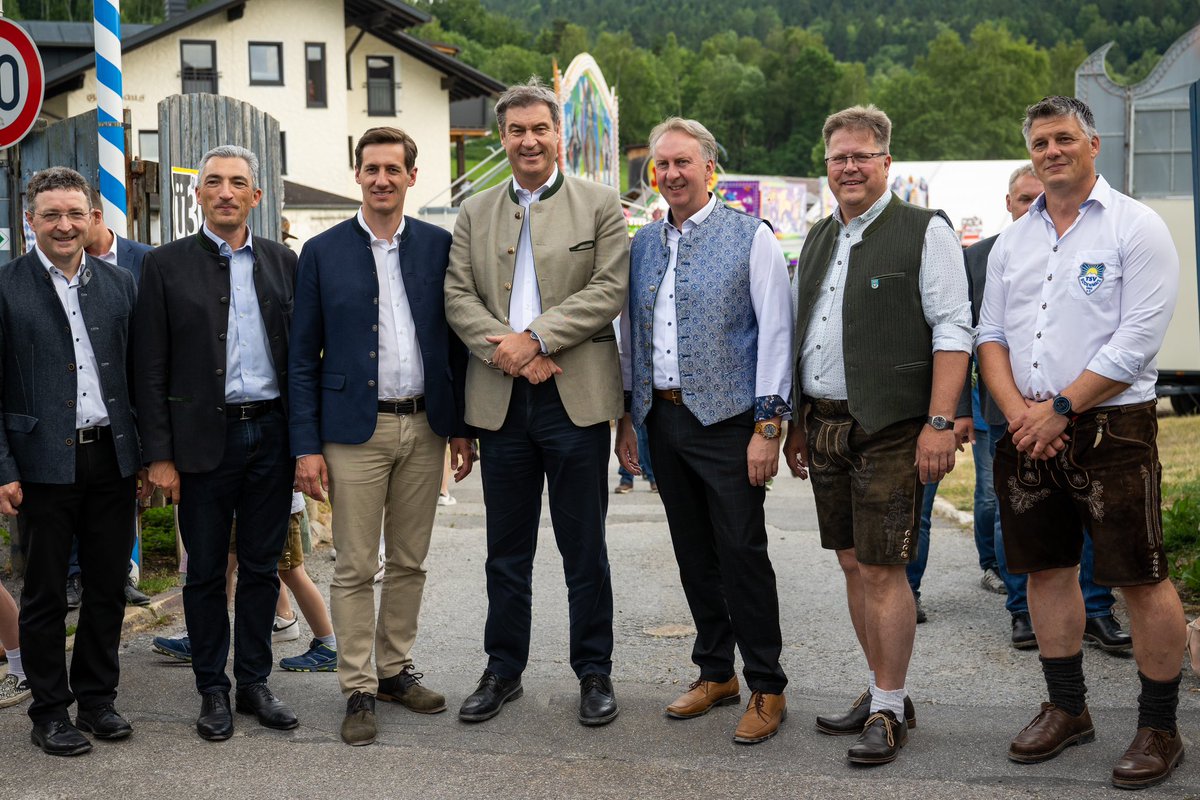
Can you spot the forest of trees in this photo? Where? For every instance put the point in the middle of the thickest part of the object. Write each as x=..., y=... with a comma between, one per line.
x=763, y=74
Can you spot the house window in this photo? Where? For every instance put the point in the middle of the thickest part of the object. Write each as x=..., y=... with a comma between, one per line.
x=266, y=64
x=314, y=75
x=198, y=67
x=148, y=145
x=381, y=86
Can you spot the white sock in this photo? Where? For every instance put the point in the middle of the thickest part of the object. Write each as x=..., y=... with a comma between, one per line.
x=329, y=641
x=14, y=664
x=885, y=700
x=872, y=683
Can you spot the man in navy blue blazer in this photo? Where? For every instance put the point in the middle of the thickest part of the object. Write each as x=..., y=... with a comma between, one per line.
x=376, y=380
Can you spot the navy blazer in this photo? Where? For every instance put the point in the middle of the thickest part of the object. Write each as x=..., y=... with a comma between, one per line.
x=333, y=369
x=37, y=442
x=130, y=255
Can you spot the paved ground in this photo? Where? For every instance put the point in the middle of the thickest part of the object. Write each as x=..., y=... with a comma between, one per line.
x=972, y=693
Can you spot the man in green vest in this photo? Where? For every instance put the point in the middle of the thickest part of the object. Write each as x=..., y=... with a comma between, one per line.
x=883, y=333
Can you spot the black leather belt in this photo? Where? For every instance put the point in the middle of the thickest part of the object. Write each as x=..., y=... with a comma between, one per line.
x=672, y=395
x=405, y=405
x=245, y=411
x=96, y=433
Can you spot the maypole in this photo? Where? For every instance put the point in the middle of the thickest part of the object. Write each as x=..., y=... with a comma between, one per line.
x=110, y=105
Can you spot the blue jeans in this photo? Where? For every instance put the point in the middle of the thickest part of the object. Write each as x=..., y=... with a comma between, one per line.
x=643, y=446
x=916, y=568
x=1097, y=600
x=985, y=500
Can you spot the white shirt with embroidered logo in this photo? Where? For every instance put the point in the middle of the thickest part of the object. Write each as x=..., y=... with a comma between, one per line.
x=1098, y=298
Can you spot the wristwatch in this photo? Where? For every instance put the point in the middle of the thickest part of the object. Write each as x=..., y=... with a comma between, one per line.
x=939, y=423
x=1062, y=405
x=767, y=430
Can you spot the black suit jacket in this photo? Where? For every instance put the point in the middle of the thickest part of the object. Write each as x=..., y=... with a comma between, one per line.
x=976, y=257
x=179, y=331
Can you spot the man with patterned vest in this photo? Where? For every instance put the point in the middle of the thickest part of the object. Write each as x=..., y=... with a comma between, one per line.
x=705, y=354
x=883, y=335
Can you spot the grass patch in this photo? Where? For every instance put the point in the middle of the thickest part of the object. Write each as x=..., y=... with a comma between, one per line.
x=157, y=581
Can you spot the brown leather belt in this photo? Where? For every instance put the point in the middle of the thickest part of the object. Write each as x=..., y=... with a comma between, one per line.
x=823, y=406
x=673, y=395
x=404, y=406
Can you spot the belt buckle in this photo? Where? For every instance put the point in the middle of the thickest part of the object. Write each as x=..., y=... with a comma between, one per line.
x=87, y=435
x=245, y=410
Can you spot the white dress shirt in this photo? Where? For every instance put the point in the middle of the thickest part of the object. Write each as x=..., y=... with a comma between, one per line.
x=944, y=301
x=401, y=371
x=1098, y=298
x=90, y=410
x=526, y=303
x=111, y=256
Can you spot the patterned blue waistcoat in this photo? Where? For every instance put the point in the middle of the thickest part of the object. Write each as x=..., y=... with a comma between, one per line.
x=718, y=332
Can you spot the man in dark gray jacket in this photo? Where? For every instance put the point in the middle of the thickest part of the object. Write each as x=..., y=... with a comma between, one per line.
x=69, y=457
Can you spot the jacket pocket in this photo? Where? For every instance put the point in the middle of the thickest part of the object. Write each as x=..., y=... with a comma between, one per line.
x=912, y=366
x=589, y=244
x=19, y=423
x=607, y=337
x=333, y=380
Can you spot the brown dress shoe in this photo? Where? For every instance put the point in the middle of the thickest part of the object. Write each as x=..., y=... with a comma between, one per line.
x=702, y=695
x=880, y=740
x=1150, y=759
x=854, y=720
x=1051, y=730
x=764, y=714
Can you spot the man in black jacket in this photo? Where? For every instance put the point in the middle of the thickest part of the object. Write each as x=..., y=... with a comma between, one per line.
x=211, y=332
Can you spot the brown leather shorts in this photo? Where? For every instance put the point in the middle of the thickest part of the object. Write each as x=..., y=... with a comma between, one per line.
x=293, y=546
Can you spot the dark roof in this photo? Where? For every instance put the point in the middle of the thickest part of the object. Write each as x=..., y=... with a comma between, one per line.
x=385, y=19
x=297, y=195
x=48, y=33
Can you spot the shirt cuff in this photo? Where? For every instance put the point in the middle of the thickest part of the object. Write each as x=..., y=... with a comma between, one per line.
x=538, y=339
x=952, y=337
x=770, y=407
x=1115, y=364
x=988, y=335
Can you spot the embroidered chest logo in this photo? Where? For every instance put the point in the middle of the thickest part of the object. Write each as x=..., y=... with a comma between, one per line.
x=1091, y=276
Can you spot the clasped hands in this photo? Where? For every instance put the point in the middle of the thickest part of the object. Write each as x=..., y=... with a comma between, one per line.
x=520, y=355
x=1039, y=431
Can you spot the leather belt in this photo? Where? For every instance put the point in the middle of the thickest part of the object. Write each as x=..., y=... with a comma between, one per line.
x=405, y=405
x=245, y=411
x=673, y=395
x=824, y=406
x=94, y=434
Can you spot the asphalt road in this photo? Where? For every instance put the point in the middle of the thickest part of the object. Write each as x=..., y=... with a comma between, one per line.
x=972, y=692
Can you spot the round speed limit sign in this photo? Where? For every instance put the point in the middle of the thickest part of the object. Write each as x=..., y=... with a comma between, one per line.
x=22, y=83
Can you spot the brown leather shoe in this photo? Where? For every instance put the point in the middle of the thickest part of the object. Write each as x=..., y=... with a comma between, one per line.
x=764, y=714
x=854, y=720
x=880, y=740
x=1051, y=730
x=1150, y=759
x=702, y=695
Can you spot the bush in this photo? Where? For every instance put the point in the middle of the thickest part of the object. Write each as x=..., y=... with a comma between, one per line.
x=158, y=531
x=1181, y=524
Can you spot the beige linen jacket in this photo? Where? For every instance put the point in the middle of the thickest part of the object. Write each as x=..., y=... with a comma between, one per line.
x=581, y=256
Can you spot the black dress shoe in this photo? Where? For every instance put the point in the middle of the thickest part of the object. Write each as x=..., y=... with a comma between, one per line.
x=489, y=697
x=103, y=722
x=257, y=699
x=133, y=595
x=597, y=703
x=1023, y=637
x=74, y=592
x=1105, y=632
x=880, y=741
x=59, y=738
x=852, y=721
x=216, y=721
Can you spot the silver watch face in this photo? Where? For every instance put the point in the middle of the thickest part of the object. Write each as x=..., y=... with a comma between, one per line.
x=939, y=423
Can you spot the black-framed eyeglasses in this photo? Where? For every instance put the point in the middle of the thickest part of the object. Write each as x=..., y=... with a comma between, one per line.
x=858, y=158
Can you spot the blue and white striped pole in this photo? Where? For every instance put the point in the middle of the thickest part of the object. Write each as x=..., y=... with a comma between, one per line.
x=110, y=104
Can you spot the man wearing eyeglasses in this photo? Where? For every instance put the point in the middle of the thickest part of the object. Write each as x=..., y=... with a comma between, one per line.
x=883, y=332
x=69, y=458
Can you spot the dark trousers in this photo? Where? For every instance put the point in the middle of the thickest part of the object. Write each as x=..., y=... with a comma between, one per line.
x=538, y=439
x=255, y=480
x=718, y=529
x=98, y=509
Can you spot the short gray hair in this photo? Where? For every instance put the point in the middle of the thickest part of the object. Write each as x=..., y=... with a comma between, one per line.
x=860, y=118
x=1057, y=105
x=1018, y=173
x=530, y=93
x=52, y=178
x=690, y=127
x=231, y=151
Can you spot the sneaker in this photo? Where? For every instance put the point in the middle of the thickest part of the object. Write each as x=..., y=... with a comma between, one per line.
x=180, y=648
x=624, y=487
x=654, y=486
x=286, y=630
x=319, y=658
x=992, y=581
x=133, y=595
x=13, y=690
x=74, y=592
x=446, y=500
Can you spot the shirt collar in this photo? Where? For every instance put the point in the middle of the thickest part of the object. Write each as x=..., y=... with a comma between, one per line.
x=1101, y=193
x=536, y=194
x=395, y=237
x=48, y=265
x=696, y=219
x=111, y=255
x=868, y=216
x=223, y=245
